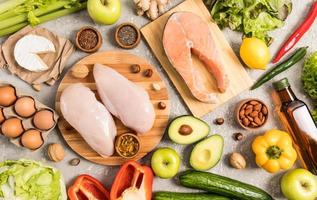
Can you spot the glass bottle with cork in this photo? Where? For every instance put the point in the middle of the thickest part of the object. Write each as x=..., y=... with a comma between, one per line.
x=297, y=119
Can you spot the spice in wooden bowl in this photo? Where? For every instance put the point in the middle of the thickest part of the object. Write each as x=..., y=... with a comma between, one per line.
x=127, y=35
x=127, y=145
x=88, y=39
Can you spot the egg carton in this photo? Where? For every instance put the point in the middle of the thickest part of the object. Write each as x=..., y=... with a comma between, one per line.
x=27, y=123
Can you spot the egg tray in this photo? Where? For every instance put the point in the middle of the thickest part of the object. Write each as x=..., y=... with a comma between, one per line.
x=27, y=123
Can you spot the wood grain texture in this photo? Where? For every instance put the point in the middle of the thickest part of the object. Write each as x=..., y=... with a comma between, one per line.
x=239, y=79
x=121, y=62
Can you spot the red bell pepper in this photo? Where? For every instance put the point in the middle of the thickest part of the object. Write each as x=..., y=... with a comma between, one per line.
x=86, y=187
x=133, y=181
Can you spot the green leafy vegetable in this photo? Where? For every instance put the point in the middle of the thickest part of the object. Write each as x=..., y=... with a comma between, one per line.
x=30, y=180
x=309, y=76
x=255, y=18
x=34, y=12
x=309, y=79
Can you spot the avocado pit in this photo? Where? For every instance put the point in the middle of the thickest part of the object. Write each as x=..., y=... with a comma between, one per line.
x=185, y=129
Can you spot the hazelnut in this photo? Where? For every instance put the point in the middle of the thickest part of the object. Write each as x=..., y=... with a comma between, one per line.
x=80, y=71
x=148, y=73
x=238, y=136
x=219, y=121
x=237, y=161
x=185, y=129
x=56, y=152
x=161, y=105
x=135, y=68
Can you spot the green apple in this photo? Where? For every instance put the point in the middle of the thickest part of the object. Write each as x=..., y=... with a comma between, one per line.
x=165, y=162
x=104, y=11
x=299, y=184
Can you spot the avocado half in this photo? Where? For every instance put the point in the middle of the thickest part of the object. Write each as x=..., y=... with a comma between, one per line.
x=207, y=153
x=187, y=129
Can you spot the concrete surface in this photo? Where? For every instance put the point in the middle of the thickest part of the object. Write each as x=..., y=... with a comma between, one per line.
x=67, y=26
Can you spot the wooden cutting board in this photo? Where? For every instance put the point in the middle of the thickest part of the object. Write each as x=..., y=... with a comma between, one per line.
x=239, y=79
x=121, y=62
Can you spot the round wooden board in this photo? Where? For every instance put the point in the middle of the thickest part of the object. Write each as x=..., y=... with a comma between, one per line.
x=121, y=62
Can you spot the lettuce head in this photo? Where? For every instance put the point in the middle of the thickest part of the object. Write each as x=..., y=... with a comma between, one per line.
x=309, y=76
x=30, y=180
x=255, y=18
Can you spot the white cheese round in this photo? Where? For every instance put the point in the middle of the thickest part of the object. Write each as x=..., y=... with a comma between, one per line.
x=27, y=49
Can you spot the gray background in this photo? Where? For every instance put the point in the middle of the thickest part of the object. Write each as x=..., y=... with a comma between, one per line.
x=67, y=26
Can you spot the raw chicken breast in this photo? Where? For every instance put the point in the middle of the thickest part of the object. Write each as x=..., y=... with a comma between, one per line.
x=185, y=34
x=89, y=117
x=124, y=99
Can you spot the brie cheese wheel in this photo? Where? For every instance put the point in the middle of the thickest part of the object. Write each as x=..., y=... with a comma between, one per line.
x=26, y=52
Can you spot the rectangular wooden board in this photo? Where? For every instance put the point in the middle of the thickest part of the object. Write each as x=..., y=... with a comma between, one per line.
x=238, y=77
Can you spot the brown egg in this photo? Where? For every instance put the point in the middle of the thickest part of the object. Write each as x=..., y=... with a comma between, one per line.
x=7, y=95
x=32, y=139
x=25, y=106
x=12, y=127
x=44, y=120
x=2, y=118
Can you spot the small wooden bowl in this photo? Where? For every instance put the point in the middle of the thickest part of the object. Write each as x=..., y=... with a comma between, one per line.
x=138, y=36
x=240, y=106
x=118, y=140
x=99, y=38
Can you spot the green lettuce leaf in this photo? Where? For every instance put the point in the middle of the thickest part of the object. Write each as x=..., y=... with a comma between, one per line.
x=30, y=180
x=259, y=26
x=255, y=18
x=309, y=76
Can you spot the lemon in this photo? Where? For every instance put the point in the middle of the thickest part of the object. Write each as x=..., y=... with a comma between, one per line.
x=255, y=53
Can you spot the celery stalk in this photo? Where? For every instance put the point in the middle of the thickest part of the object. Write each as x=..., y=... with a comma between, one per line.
x=44, y=18
x=8, y=5
x=61, y=13
x=37, y=12
x=7, y=14
x=12, y=29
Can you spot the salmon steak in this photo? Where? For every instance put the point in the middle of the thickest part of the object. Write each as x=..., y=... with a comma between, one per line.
x=185, y=35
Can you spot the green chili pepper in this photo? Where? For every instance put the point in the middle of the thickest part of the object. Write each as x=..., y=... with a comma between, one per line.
x=297, y=56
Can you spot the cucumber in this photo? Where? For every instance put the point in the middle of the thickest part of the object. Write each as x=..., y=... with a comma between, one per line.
x=187, y=196
x=222, y=185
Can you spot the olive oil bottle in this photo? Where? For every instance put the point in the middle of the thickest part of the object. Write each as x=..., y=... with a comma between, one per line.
x=297, y=119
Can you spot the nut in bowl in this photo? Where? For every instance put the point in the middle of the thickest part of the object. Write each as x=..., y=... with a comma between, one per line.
x=127, y=145
x=252, y=114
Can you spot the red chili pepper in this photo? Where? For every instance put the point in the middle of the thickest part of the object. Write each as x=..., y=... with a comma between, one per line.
x=298, y=34
x=86, y=187
x=133, y=181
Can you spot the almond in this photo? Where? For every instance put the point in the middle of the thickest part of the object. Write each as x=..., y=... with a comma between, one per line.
x=254, y=114
x=254, y=103
x=258, y=121
x=245, y=122
x=264, y=110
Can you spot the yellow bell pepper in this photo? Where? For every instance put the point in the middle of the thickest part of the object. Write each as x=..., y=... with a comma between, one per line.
x=274, y=151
